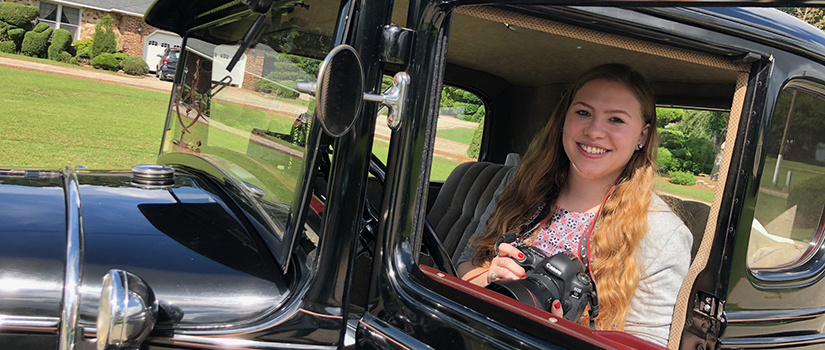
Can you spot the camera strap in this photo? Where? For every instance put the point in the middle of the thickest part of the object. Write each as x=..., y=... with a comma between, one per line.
x=584, y=253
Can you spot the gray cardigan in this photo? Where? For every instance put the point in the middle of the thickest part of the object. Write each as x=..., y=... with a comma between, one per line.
x=663, y=257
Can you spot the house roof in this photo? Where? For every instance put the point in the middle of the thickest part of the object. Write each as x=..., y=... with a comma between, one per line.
x=129, y=7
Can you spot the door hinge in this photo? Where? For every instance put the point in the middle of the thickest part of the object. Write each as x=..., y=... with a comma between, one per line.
x=707, y=321
x=396, y=44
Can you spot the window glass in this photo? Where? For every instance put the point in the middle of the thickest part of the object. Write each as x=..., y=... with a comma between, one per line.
x=70, y=15
x=792, y=192
x=48, y=11
x=458, y=137
x=251, y=121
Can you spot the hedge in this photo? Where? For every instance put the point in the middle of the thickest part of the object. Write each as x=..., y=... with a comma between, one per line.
x=18, y=15
x=106, y=61
x=134, y=66
x=36, y=42
x=61, y=42
x=8, y=47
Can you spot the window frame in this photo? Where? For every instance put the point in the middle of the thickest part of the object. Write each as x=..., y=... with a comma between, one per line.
x=811, y=262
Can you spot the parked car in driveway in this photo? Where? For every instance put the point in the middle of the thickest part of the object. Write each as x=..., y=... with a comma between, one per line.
x=243, y=238
x=167, y=64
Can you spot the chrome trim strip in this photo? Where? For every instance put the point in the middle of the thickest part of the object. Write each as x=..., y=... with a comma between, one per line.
x=74, y=262
x=754, y=316
x=227, y=343
x=772, y=343
x=29, y=324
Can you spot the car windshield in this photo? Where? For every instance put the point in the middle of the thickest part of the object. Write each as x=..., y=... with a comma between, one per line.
x=250, y=121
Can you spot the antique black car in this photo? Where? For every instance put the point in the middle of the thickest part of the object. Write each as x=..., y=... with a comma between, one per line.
x=290, y=212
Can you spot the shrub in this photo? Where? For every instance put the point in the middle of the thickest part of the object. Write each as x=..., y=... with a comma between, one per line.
x=120, y=56
x=477, y=116
x=269, y=87
x=808, y=199
x=18, y=15
x=16, y=35
x=682, y=178
x=61, y=42
x=106, y=61
x=81, y=47
x=666, y=161
x=470, y=110
x=84, y=53
x=103, y=41
x=8, y=47
x=66, y=57
x=36, y=42
x=74, y=61
x=475, y=144
x=134, y=66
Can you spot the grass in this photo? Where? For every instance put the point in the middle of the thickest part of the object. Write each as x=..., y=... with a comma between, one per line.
x=52, y=121
x=800, y=173
x=681, y=191
x=463, y=135
x=441, y=168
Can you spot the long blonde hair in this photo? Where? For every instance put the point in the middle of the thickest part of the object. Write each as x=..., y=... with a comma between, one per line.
x=622, y=222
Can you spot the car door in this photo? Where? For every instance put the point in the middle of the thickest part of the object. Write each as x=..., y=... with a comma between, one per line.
x=775, y=290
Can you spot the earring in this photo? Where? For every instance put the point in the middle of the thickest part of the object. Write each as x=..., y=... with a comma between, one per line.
x=640, y=146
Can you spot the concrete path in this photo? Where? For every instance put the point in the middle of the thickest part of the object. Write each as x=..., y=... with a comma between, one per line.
x=443, y=147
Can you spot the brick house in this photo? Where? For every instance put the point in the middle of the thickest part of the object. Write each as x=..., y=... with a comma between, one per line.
x=134, y=36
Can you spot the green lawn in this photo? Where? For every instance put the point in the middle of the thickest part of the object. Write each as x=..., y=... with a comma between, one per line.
x=53, y=121
x=442, y=167
x=463, y=135
x=681, y=191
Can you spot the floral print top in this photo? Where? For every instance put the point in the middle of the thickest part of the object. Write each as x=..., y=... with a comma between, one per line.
x=562, y=232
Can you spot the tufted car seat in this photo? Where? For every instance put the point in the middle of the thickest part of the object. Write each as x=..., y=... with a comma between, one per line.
x=465, y=195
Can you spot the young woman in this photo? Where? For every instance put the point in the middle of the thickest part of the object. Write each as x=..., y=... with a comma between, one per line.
x=593, y=163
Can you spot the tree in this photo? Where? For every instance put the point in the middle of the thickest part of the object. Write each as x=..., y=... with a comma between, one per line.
x=104, y=38
x=665, y=116
x=812, y=15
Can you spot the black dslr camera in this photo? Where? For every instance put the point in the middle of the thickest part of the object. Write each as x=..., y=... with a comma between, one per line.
x=560, y=277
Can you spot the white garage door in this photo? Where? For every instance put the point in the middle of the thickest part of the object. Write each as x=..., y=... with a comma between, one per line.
x=154, y=44
x=223, y=54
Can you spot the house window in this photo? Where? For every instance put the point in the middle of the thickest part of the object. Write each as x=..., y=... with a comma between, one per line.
x=60, y=17
x=153, y=43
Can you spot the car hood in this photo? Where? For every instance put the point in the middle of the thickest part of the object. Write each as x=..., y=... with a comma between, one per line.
x=189, y=243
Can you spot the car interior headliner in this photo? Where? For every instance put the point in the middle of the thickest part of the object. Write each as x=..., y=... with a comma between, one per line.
x=532, y=57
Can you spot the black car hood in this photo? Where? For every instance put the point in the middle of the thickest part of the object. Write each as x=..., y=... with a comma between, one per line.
x=189, y=242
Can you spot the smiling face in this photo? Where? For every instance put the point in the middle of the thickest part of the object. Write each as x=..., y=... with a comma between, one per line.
x=602, y=128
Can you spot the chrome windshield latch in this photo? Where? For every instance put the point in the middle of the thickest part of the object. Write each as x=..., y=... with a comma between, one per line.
x=393, y=99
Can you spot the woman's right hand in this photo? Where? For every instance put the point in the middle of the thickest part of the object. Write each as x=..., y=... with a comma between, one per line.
x=503, y=266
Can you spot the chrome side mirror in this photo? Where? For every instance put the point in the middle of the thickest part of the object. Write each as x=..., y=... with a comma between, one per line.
x=127, y=311
x=339, y=92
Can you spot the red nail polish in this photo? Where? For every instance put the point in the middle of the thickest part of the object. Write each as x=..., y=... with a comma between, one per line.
x=520, y=256
x=524, y=275
x=556, y=304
